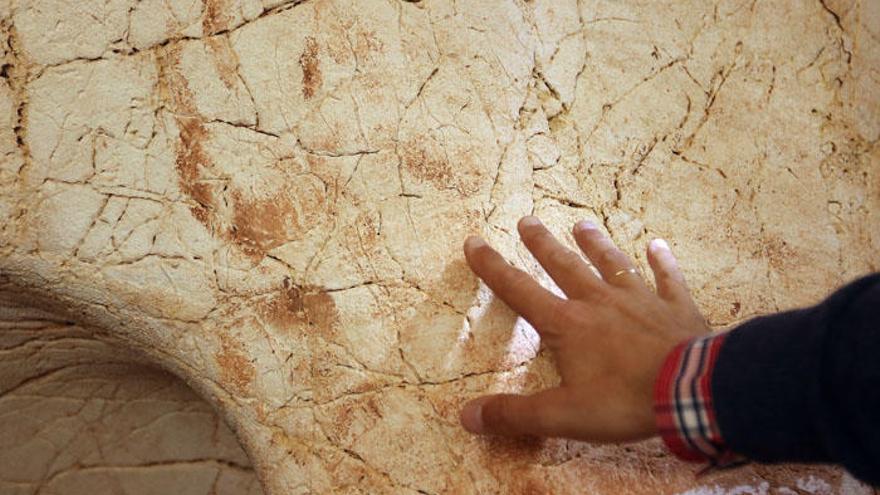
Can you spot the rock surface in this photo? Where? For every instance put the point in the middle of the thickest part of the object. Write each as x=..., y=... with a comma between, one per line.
x=82, y=416
x=266, y=198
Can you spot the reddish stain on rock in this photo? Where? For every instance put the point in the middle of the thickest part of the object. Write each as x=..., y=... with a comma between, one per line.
x=235, y=367
x=503, y=453
x=312, y=78
x=779, y=253
x=366, y=242
x=225, y=60
x=191, y=157
x=426, y=167
x=433, y=166
x=735, y=308
x=214, y=19
x=258, y=226
x=308, y=306
x=447, y=407
x=366, y=43
x=530, y=486
x=353, y=417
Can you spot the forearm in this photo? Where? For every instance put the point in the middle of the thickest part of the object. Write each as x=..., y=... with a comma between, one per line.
x=795, y=386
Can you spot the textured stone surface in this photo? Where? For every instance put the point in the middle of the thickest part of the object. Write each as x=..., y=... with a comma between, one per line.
x=267, y=198
x=82, y=416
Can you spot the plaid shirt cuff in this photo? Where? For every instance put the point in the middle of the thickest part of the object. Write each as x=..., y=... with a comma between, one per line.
x=683, y=403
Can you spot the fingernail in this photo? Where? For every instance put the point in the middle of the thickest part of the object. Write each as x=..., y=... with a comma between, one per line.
x=473, y=242
x=472, y=416
x=659, y=244
x=585, y=225
x=529, y=221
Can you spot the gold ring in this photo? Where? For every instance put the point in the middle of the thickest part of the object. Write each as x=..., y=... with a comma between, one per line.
x=625, y=270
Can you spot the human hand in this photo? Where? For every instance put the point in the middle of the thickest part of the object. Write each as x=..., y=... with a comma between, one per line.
x=609, y=338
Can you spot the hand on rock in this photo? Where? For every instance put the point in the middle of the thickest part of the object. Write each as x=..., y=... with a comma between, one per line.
x=609, y=337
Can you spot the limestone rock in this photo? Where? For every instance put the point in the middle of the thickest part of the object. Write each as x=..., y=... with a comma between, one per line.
x=266, y=200
x=82, y=415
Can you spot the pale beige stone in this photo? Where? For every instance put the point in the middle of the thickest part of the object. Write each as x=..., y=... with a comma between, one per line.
x=266, y=199
x=83, y=415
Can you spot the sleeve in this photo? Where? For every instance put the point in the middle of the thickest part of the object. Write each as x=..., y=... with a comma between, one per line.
x=683, y=403
x=797, y=386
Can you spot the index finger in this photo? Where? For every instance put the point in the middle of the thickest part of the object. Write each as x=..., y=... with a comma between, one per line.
x=515, y=287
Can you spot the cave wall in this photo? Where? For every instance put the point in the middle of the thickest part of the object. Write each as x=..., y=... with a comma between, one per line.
x=265, y=200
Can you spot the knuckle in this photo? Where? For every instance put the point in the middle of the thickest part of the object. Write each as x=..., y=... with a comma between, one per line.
x=560, y=315
x=671, y=277
x=663, y=275
x=674, y=277
x=609, y=255
x=603, y=296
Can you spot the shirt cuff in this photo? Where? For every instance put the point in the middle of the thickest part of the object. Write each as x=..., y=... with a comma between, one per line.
x=683, y=405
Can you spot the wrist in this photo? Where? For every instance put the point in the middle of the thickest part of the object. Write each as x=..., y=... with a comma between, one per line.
x=683, y=406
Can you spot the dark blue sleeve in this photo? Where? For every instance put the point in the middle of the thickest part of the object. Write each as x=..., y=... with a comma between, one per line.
x=804, y=385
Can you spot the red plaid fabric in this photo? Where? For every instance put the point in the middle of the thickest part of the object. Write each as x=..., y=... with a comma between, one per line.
x=683, y=402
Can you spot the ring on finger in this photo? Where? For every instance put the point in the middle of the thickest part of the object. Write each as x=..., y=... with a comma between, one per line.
x=632, y=270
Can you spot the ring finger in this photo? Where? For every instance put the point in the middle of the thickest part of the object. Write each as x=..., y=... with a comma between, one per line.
x=613, y=264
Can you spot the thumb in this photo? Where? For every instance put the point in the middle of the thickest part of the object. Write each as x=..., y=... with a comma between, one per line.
x=548, y=413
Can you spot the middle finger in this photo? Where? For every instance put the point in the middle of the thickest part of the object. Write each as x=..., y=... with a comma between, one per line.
x=564, y=266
